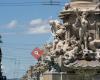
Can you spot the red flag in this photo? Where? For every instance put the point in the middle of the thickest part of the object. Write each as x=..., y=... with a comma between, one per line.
x=37, y=53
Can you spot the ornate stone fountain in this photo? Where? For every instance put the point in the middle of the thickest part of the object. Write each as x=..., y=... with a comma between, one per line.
x=75, y=52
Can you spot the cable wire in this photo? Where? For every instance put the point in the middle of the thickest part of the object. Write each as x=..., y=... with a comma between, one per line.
x=30, y=3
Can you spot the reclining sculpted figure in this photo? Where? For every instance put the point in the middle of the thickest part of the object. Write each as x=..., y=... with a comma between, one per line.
x=57, y=28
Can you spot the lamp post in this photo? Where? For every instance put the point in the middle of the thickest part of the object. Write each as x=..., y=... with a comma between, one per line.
x=1, y=76
x=0, y=50
x=0, y=39
x=0, y=59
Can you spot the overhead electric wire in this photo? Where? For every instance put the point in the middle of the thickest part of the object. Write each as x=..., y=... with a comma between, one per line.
x=27, y=44
x=28, y=49
x=22, y=59
x=30, y=3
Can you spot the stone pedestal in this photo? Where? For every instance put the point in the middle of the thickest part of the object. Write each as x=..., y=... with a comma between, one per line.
x=85, y=75
x=54, y=76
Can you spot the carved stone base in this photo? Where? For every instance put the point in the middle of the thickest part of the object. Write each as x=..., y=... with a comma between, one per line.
x=55, y=76
x=73, y=75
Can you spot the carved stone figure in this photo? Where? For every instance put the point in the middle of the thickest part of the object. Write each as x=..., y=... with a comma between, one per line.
x=56, y=40
x=56, y=25
x=83, y=31
x=67, y=6
x=67, y=46
x=59, y=48
x=89, y=55
x=69, y=57
x=48, y=47
x=57, y=28
x=98, y=54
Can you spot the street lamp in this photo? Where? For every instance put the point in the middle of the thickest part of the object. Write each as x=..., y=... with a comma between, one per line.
x=0, y=41
x=0, y=58
x=0, y=50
